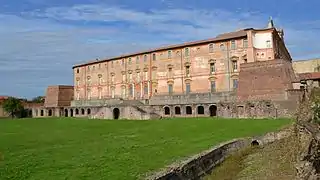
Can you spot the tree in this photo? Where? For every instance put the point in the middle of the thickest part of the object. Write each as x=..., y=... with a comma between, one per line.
x=13, y=106
x=38, y=99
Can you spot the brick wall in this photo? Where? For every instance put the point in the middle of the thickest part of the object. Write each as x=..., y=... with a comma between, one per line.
x=265, y=80
x=57, y=96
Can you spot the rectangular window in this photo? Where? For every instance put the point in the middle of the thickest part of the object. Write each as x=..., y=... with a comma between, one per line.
x=78, y=95
x=146, y=75
x=268, y=44
x=245, y=43
x=122, y=62
x=212, y=68
x=89, y=82
x=169, y=54
x=112, y=78
x=100, y=93
x=188, y=88
x=137, y=60
x=130, y=90
x=154, y=57
x=211, y=48
x=233, y=44
x=89, y=94
x=145, y=89
x=154, y=74
x=112, y=92
x=138, y=77
x=222, y=47
x=145, y=58
x=78, y=70
x=130, y=77
x=235, y=83
x=186, y=52
x=188, y=71
x=123, y=92
x=100, y=80
x=130, y=61
x=123, y=78
x=112, y=64
x=170, y=73
x=234, y=66
x=213, y=86
x=78, y=83
x=170, y=88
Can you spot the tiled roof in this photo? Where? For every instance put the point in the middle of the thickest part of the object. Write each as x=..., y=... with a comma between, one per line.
x=3, y=97
x=309, y=76
x=221, y=37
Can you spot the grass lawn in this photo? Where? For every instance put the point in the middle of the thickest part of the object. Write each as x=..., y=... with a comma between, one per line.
x=67, y=148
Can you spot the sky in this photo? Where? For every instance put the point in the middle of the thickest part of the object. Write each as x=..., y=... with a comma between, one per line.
x=42, y=39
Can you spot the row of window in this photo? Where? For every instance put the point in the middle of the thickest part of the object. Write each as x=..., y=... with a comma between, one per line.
x=211, y=48
x=145, y=90
x=154, y=74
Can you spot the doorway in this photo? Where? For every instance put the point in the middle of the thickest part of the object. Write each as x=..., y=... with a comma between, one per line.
x=213, y=110
x=116, y=113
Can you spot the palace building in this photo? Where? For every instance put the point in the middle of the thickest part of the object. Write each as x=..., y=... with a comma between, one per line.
x=246, y=73
x=210, y=65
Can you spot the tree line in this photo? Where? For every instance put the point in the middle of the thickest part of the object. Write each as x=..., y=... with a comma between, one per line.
x=14, y=106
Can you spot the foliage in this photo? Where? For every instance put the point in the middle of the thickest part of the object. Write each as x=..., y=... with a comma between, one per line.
x=38, y=99
x=315, y=104
x=13, y=106
x=69, y=148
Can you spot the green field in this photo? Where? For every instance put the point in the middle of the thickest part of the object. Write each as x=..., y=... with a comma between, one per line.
x=65, y=148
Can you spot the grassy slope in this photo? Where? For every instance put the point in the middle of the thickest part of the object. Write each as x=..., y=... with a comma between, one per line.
x=95, y=149
x=271, y=162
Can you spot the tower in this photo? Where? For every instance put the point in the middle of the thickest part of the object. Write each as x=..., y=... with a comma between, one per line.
x=270, y=23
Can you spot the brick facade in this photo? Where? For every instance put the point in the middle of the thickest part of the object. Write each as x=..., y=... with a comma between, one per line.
x=265, y=80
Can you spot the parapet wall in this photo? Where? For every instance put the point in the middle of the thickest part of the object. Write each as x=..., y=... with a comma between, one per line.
x=265, y=80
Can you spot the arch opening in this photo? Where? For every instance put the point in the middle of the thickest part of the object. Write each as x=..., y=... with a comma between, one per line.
x=255, y=143
x=200, y=110
x=71, y=112
x=177, y=110
x=66, y=113
x=116, y=113
x=213, y=110
x=30, y=113
x=41, y=112
x=188, y=110
x=77, y=111
x=166, y=111
x=50, y=112
x=88, y=111
x=82, y=111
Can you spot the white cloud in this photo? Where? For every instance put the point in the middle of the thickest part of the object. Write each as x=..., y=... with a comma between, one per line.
x=40, y=43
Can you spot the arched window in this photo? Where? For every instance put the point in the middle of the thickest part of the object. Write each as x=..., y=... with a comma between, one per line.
x=188, y=110
x=177, y=110
x=166, y=110
x=200, y=110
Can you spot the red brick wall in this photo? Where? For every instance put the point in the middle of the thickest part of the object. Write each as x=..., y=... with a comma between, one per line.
x=57, y=96
x=265, y=80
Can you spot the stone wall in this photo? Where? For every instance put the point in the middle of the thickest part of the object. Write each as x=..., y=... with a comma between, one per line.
x=3, y=113
x=193, y=98
x=202, y=164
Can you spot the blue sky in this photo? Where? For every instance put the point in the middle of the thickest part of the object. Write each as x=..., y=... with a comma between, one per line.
x=42, y=39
